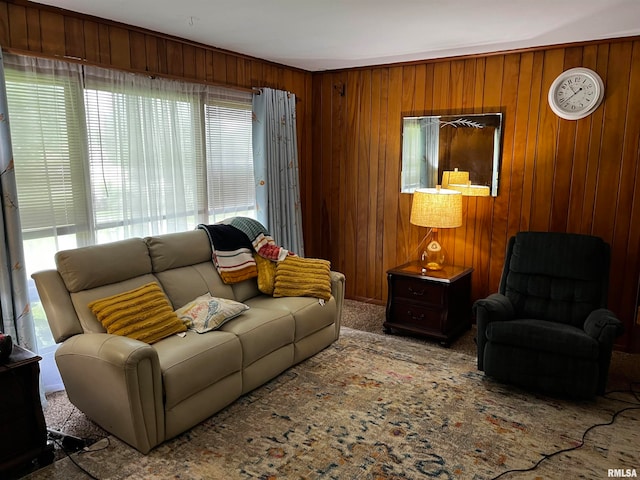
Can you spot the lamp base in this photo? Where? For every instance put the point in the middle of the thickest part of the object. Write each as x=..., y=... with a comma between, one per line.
x=432, y=258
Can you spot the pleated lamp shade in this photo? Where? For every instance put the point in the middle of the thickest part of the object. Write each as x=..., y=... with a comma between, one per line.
x=436, y=208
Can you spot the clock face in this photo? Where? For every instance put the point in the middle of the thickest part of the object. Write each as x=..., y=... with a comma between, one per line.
x=576, y=93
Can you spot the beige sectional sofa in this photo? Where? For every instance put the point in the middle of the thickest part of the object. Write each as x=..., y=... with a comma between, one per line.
x=145, y=394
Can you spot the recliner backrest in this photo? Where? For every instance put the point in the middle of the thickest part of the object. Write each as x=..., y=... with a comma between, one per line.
x=560, y=277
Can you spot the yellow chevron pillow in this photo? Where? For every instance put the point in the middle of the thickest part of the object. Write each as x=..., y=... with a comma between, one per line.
x=303, y=277
x=143, y=313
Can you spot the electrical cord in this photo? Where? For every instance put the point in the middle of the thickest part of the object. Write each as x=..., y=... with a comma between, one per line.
x=70, y=457
x=547, y=456
x=61, y=444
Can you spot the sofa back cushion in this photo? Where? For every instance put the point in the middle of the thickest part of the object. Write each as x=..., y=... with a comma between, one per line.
x=173, y=250
x=183, y=265
x=90, y=267
x=243, y=291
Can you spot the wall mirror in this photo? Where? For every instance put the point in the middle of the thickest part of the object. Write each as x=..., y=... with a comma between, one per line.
x=461, y=152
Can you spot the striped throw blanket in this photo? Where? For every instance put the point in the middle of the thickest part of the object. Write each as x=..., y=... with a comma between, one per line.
x=232, y=253
x=262, y=242
x=233, y=242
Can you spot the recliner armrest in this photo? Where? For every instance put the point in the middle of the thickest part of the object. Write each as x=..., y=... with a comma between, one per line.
x=603, y=325
x=496, y=307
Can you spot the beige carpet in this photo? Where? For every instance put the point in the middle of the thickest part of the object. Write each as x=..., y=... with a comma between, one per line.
x=377, y=406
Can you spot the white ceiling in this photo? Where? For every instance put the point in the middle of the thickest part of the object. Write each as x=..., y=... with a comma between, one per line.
x=331, y=34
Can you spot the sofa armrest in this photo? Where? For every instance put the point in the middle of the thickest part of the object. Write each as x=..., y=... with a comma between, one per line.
x=337, y=290
x=116, y=381
x=495, y=308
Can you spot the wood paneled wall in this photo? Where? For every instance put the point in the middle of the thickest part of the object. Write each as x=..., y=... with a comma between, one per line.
x=556, y=175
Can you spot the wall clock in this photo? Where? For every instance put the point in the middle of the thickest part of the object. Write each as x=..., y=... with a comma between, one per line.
x=576, y=93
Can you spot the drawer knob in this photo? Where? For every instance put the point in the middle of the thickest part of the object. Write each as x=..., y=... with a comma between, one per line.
x=417, y=293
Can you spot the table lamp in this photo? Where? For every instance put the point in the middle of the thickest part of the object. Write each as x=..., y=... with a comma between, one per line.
x=435, y=208
x=459, y=180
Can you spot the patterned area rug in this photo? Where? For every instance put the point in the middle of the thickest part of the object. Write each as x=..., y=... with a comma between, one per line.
x=378, y=407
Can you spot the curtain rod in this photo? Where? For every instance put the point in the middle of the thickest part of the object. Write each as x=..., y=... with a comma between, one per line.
x=17, y=51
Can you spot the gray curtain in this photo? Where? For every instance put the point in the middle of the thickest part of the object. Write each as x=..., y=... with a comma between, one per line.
x=17, y=320
x=275, y=153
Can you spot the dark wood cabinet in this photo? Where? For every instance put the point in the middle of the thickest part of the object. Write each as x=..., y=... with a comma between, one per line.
x=435, y=305
x=23, y=432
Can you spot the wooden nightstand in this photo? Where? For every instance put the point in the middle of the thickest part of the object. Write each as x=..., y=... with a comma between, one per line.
x=436, y=305
x=23, y=432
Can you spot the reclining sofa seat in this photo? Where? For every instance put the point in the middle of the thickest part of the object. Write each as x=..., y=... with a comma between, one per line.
x=145, y=394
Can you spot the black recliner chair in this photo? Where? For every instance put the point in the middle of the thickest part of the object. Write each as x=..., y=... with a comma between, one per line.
x=548, y=328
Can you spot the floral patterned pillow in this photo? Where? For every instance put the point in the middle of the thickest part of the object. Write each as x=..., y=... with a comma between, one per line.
x=207, y=313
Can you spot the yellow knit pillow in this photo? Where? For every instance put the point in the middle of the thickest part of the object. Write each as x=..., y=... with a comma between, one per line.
x=143, y=314
x=266, y=274
x=303, y=277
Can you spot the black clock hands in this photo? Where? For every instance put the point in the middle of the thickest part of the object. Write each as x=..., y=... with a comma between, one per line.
x=573, y=95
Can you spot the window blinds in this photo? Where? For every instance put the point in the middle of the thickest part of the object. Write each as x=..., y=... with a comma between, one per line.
x=109, y=154
x=48, y=146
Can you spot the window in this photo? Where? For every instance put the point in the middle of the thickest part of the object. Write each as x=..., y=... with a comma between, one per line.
x=102, y=155
x=229, y=160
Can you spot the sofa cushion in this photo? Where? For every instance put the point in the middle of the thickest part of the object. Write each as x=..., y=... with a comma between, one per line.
x=180, y=249
x=192, y=363
x=207, y=313
x=261, y=331
x=143, y=313
x=303, y=277
x=308, y=313
x=244, y=290
x=544, y=336
x=183, y=284
x=90, y=267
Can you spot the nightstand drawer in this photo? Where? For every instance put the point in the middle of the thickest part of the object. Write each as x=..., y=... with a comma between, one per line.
x=418, y=291
x=412, y=315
